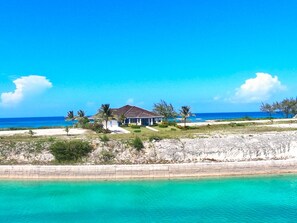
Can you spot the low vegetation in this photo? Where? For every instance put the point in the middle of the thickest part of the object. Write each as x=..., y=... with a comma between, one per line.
x=70, y=151
x=137, y=143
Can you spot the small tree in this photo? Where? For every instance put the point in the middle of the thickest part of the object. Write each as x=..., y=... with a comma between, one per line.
x=82, y=119
x=67, y=130
x=270, y=109
x=31, y=133
x=137, y=143
x=165, y=109
x=121, y=119
x=287, y=106
x=185, y=113
x=105, y=113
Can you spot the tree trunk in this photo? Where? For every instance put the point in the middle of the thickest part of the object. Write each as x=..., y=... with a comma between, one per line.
x=106, y=124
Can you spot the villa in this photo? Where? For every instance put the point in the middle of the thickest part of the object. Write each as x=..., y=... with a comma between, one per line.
x=136, y=115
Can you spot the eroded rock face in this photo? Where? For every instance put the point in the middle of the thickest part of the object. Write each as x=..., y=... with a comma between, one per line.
x=229, y=148
x=215, y=148
x=25, y=153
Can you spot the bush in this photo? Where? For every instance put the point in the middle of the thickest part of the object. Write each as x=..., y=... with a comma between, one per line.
x=137, y=143
x=65, y=151
x=137, y=130
x=133, y=126
x=173, y=129
x=96, y=127
x=172, y=123
x=163, y=125
x=104, y=138
x=155, y=138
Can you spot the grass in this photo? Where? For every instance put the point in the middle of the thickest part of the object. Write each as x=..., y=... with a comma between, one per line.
x=166, y=129
x=145, y=134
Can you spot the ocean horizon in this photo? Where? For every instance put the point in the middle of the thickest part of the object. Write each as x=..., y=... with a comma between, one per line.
x=60, y=121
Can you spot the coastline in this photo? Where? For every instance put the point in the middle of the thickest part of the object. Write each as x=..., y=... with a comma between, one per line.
x=147, y=171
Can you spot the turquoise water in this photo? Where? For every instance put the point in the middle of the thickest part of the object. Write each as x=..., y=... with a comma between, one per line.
x=265, y=199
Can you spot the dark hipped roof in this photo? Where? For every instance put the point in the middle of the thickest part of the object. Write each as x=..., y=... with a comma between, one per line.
x=134, y=112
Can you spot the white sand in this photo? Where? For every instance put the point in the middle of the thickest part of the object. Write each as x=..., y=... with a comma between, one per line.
x=288, y=125
x=211, y=122
x=44, y=132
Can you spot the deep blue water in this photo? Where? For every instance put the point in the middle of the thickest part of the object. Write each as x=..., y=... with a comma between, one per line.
x=36, y=122
x=201, y=117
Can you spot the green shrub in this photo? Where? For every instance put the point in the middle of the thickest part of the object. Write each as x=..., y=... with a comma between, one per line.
x=163, y=125
x=65, y=151
x=155, y=138
x=133, y=126
x=137, y=130
x=104, y=138
x=172, y=123
x=173, y=129
x=137, y=143
x=96, y=127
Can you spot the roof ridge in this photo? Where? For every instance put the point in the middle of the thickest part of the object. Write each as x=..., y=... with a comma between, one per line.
x=129, y=109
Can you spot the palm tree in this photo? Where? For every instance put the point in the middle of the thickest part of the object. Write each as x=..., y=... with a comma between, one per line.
x=81, y=114
x=185, y=113
x=105, y=113
x=70, y=116
x=82, y=118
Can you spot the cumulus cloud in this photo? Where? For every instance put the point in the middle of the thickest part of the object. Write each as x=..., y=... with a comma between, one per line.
x=25, y=86
x=258, y=89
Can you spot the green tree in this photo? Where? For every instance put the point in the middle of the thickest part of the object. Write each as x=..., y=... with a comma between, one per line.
x=81, y=114
x=70, y=116
x=165, y=109
x=105, y=113
x=82, y=119
x=121, y=119
x=137, y=143
x=288, y=106
x=270, y=109
x=185, y=113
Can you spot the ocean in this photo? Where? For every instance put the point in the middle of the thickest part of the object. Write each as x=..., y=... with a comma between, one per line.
x=253, y=199
x=37, y=122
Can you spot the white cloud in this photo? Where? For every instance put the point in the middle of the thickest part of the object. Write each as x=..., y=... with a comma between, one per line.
x=216, y=98
x=130, y=101
x=258, y=89
x=25, y=86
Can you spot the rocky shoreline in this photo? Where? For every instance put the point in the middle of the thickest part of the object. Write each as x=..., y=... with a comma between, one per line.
x=208, y=148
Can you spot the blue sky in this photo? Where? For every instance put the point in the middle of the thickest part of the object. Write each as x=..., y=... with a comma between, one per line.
x=215, y=56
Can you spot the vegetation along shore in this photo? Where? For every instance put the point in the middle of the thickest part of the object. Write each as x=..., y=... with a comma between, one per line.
x=166, y=142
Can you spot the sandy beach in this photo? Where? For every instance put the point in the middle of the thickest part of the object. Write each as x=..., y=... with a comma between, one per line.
x=265, y=121
x=44, y=132
x=147, y=171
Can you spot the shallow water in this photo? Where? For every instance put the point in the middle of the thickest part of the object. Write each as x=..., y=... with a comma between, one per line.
x=258, y=199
